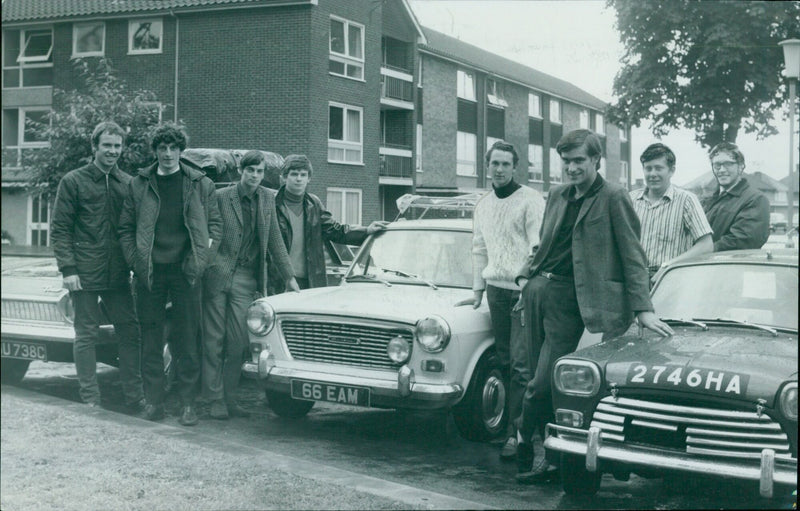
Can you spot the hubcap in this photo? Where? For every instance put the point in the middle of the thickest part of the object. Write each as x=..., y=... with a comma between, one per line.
x=493, y=401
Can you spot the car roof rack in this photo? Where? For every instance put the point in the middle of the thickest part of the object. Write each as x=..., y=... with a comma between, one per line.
x=416, y=207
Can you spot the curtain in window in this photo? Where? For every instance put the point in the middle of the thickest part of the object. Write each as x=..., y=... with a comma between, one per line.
x=335, y=205
x=351, y=208
x=354, y=42
x=353, y=126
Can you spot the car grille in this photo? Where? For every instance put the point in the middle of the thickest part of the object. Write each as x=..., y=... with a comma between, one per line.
x=31, y=311
x=341, y=342
x=690, y=429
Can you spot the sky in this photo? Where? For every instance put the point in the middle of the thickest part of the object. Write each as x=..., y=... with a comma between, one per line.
x=577, y=41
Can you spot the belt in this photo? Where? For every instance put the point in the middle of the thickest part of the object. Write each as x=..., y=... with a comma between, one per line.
x=556, y=278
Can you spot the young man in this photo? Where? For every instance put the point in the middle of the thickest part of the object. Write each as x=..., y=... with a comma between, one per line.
x=87, y=248
x=674, y=225
x=236, y=276
x=588, y=270
x=170, y=228
x=305, y=224
x=506, y=224
x=738, y=213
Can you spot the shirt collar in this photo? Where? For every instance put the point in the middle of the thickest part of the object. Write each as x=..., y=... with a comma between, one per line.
x=569, y=191
x=735, y=189
x=243, y=193
x=97, y=172
x=669, y=194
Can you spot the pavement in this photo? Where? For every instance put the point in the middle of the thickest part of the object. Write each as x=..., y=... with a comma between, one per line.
x=58, y=454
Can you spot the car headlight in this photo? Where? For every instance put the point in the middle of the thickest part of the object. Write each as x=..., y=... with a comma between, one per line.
x=788, y=401
x=398, y=349
x=66, y=309
x=432, y=333
x=260, y=318
x=577, y=377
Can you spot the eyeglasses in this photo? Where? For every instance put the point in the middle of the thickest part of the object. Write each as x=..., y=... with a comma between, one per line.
x=728, y=165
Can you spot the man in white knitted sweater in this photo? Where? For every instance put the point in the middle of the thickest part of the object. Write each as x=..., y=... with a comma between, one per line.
x=506, y=227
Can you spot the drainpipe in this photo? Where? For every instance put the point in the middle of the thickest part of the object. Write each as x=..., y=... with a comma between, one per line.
x=177, y=55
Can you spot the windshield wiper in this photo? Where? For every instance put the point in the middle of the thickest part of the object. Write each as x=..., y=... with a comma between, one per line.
x=685, y=322
x=741, y=323
x=369, y=277
x=401, y=273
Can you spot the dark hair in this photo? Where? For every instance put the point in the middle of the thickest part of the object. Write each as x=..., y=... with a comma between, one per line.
x=502, y=145
x=731, y=149
x=577, y=138
x=296, y=162
x=253, y=157
x=170, y=133
x=657, y=150
x=109, y=127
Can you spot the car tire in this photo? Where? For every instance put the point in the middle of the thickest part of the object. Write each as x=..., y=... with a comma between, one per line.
x=481, y=414
x=12, y=370
x=286, y=406
x=575, y=479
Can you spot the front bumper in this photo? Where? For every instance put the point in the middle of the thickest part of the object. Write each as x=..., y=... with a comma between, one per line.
x=581, y=442
x=404, y=392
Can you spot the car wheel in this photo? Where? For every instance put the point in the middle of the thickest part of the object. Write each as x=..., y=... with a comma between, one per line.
x=12, y=370
x=481, y=414
x=285, y=406
x=575, y=479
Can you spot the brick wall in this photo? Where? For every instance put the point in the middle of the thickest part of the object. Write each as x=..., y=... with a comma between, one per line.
x=439, y=124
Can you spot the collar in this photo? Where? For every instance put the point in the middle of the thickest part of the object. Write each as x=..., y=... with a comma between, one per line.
x=735, y=190
x=150, y=172
x=242, y=193
x=97, y=172
x=507, y=190
x=569, y=191
x=669, y=194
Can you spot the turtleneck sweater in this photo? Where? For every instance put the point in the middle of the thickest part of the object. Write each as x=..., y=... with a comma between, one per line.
x=296, y=216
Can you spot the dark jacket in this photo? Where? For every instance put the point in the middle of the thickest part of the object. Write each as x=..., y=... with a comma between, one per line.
x=609, y=264
x=319, y=226
x=140, y=213
x=83, y=229
x=739, y=217
x=220, y=271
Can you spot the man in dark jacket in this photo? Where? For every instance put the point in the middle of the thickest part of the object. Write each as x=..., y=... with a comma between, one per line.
x=738, y=213
x=87, y=248
x=169, y=229
x=305, y=223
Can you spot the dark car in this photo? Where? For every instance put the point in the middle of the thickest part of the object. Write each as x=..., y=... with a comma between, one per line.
x=718, y=398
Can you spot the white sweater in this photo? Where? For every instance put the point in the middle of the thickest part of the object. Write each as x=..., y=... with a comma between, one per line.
x=504, y=232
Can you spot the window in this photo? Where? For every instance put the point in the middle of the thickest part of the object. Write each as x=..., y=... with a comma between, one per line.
x=346, y=49
x=466, y=151
x=555, y=111
x=555, y=166
x=89, y=39
x=27, y=58
x=145, y=36
x=623, y=173
x=38, y=220
x=465, y=85
x=599, y=124
x=494, y=94
x=18, y=133
x=344, y=134
x=583, y=119
x=345, y=205
x=535, y=163
x=534, y=105
x=623, y=134
x=418, y=152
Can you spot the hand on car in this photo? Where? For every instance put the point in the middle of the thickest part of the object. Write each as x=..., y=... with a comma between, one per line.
x=649, y=320
x=292, y=285
x=72, y=283
x=475, y=301
x=376, y=226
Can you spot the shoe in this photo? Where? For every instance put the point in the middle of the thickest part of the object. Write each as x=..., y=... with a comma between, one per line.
x=188, y=416
x=541, y=473
x=524, y=457
x=218, y=410
x=509, y=450
x=234, y=410
x=137, y=407
x=152, y=412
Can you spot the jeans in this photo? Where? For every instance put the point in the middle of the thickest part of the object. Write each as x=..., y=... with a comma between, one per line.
x=510, y=345
x=88, y=318
x=169, y=282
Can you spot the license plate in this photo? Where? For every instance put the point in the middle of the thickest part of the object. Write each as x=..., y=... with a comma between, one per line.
x=24, y=350
x=689, y=378
x=332, y=393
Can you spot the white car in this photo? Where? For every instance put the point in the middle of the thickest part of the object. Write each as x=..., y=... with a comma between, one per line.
x=390, y=336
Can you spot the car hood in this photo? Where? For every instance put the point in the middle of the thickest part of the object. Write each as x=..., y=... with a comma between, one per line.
x=404, y=303
x=761, y=361
x=31, y=285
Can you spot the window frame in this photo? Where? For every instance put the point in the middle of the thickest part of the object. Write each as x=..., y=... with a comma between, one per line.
x=22, y=63
x=494, y=94
x=100, y=53
x=30, y=225
x=532, y=160
x=21, y=143
x=345, y=58
x=599, y=124
x=473, y=163
x=555, y=101
x=555, y=167
x=583, y=118
x=344, y=192
x=344, y=144
x=538, y=102
x=146, y=51
x=461, y=87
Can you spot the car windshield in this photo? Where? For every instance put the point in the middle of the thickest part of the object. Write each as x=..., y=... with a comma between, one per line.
x=417, y=256
x=761, y=294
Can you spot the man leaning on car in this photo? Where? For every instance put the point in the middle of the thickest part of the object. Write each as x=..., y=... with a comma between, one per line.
x=87, y=248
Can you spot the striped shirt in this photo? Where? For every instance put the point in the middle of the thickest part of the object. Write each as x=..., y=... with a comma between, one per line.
x=671, y=225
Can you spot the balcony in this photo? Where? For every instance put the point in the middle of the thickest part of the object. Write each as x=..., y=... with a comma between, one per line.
x=397, y=89
x=397, y=164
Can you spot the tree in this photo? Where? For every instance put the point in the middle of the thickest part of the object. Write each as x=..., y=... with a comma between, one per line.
x=713, y=67
x=100, y=96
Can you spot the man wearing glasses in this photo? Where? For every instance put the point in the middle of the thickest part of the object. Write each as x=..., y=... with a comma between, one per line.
x=737, y=212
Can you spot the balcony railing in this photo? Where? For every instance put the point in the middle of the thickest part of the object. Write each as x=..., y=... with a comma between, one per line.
x=395, y=88
x=396, y=166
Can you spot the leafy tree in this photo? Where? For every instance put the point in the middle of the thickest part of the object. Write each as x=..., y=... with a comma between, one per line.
x=711, y=66
x=100, y=96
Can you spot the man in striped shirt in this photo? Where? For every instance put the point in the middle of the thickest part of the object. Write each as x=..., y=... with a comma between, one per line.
x=674, y=225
